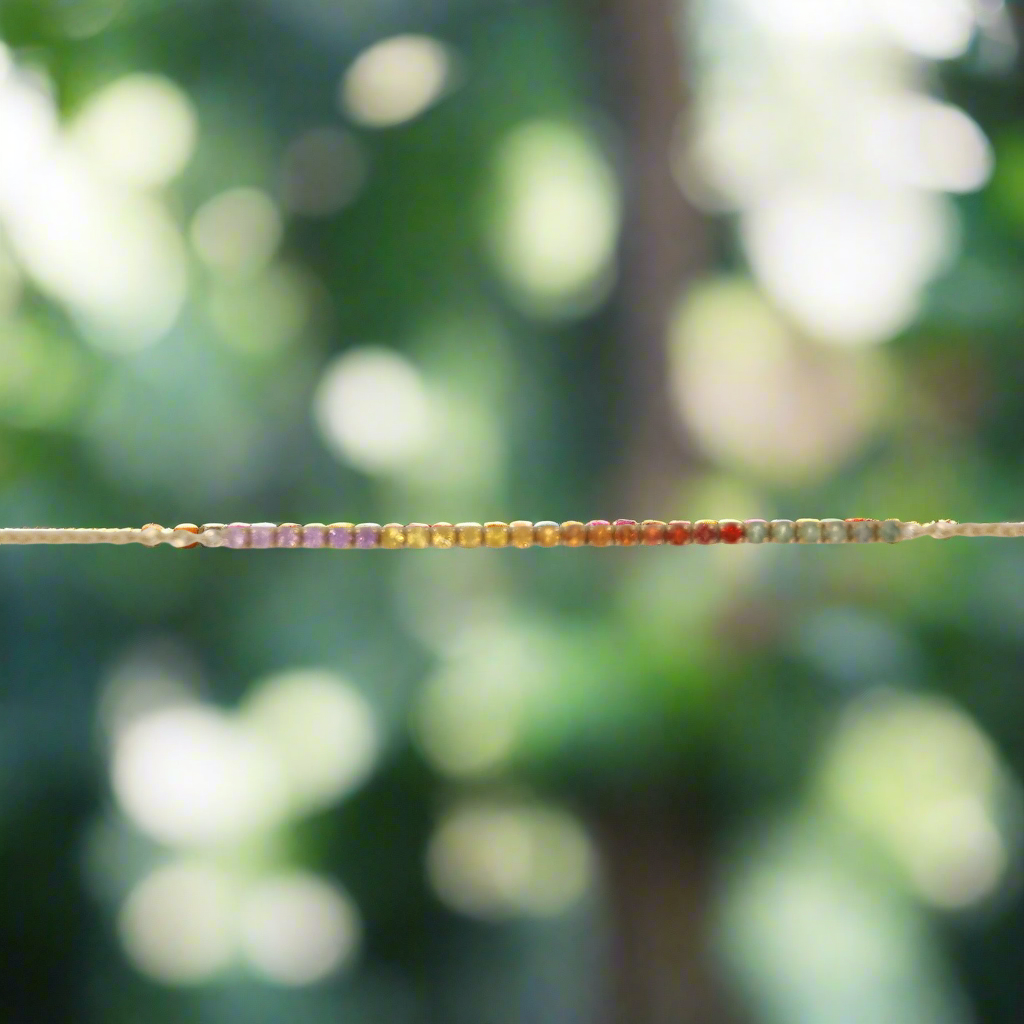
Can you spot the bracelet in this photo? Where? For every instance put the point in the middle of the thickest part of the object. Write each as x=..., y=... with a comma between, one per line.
x=598, y=533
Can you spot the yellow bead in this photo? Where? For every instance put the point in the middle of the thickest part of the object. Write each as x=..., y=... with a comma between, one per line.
x=546, y=534
x=392, y=535
x=470, y=535
x=574, y=534
x=496, y=535
x=442, y=535
x=522, y=533
x=417, y=535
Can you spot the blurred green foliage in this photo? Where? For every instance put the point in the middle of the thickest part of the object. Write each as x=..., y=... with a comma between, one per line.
x=701, y=696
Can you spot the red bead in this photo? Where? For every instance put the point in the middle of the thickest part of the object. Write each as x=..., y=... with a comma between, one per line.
x=678, y=532
x=706, y=531
x=626, y=532
x=732, y=532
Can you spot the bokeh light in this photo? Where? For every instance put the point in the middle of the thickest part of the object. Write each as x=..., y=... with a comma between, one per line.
x=190, y=776
x=298, y=928
x=324, y=170
x=177, y=925
x=556, y=218
x=494, y=860
x=373, y=410
x=395, y=80
x=758, y=396
x=140, y=130
x=918, y=774
x=321, y=730
x=237, y=232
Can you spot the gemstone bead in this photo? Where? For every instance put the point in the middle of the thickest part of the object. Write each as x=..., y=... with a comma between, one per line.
x=289, y=535
x=782, y=531
x=833, y=531
x=417, y=535
x=652, y=531
x=706, y=531
x=599, y=533
x=521, y=533
x=547, y=534
x=496, y=535
x=392, y=536
x=679, y=531
x=808, y=531
x=442, y=535
x=731, y=531
x=261, y=535
x=890, y=531
x=341, y=535
x=469, y=535
x=188, y=528
x=367, y=535
x=863, y=531
x=236, y=535
x=627, y=533
x=314, y=535
x=757, y=531
x=574, y=534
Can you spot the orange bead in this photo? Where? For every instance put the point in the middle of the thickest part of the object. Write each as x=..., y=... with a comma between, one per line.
x=626, y=532
x=521, y=532
x=574, y=534
x=652, y=531
x=599, y=533
x=547, y=534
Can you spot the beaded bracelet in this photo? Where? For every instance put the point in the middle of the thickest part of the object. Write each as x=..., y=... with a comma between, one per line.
x=598, y=533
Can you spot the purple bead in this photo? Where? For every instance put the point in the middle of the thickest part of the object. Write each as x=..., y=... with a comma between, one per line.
x=262, y=535
x=289, y=535
x=339, y=535
x=367, y=535
x=314, y=535
x=236, y=535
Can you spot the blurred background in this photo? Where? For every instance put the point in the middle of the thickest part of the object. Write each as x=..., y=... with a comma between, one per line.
x=312, y=260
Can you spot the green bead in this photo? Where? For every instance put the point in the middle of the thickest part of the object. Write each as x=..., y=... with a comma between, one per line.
x=833, y=531
x=757, y=531
x=808, y=531
x=782, y=531
x=890, y=531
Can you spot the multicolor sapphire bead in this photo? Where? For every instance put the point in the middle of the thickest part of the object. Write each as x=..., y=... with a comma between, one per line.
x=731, y=531
x=652, y=532
x=547, y=534
x=417, y=535
x=862, y=531
x=756, y=530
x=367, y=535
x=808, y=531
x=679, y=531
x=706, y=531
x=496, y=535
x=626, y=533
x=521, y=533
x=442, y=535
x=469, y=535
x=289, y=535
x=314, y=535
x=890, y=531
x=782, y=531
x=341, y=535
x=574, y=534
x=392, y=536
x=834, y=531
